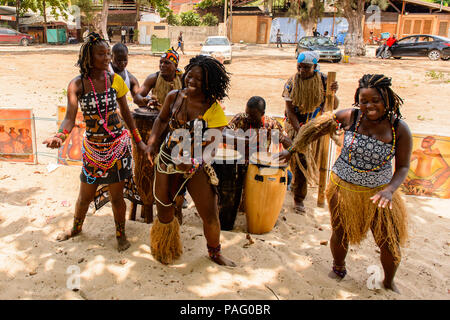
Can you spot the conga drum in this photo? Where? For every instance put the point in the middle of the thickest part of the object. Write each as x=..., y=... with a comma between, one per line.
x=231, y=177
x=265, y=189
x=143, y=170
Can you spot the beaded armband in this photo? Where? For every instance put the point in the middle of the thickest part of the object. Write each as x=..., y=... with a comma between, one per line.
x=195, y=165
x=136, y=135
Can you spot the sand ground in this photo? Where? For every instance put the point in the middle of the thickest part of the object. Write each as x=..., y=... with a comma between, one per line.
x=288, y=263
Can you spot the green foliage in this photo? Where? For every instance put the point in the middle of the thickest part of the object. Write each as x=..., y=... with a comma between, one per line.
x=173, y=19
x=204, y=4
x=86, y=9
x=306, y=10
x=161, y=6
x=444, y=2
x=210, y=20
x=38, y=6
x=190, y=18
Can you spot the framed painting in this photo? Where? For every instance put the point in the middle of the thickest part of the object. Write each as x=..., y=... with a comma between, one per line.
x=17, y=135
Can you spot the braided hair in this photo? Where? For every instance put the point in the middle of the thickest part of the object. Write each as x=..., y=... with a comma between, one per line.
x=85, y=57
x=216, y=80
x=382, y=84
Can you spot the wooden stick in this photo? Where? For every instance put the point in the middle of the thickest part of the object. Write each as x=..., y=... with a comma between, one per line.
x=325, y=143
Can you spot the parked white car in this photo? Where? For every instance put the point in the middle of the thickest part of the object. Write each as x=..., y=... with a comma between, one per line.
x=217, y=46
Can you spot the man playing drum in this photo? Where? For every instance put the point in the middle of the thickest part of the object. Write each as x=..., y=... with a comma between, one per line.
x=254, y=118
x=253, y=121
x=304, y=94
x=168, y=78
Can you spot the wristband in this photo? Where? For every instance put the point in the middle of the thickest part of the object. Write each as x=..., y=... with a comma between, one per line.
x=136, y=135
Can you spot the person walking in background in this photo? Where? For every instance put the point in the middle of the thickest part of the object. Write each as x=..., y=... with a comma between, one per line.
x=180, y=42
x=279, y=39
x=123, y=33
x=316, y=33
x=131, y=35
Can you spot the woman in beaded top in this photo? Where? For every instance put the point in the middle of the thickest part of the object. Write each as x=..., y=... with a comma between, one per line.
x=363, y=190
x=106, y=145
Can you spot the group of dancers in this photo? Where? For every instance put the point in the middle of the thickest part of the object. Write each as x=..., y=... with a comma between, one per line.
x=363, y=190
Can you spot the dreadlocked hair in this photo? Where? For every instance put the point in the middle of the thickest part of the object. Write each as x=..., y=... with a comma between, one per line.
x=216, y=80
x=382, y=84
x=84, y=59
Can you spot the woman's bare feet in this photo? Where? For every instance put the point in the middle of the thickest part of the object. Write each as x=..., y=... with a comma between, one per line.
x=122, y=243
x=221, y=260
x=65, y=235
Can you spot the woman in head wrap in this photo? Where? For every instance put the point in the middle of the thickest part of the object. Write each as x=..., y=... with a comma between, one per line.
x=304, y=94
x=168, y=78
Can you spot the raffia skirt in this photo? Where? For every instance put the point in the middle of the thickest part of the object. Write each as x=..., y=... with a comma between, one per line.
x=356, y=214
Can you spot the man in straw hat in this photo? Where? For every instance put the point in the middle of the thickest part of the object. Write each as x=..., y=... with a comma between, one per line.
x=304, y=94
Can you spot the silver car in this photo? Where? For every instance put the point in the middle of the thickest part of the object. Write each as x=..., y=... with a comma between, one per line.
x=217, y=46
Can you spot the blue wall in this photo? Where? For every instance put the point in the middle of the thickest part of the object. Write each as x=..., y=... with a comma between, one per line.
x=287, y=28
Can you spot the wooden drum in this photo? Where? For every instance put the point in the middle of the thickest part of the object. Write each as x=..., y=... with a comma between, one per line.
x=265, y=189
x=143, y=170
x=231, y=177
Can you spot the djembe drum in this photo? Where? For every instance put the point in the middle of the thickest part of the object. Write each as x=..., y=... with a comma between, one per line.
x=265, y=189
x=143, y=172
x=231, y=177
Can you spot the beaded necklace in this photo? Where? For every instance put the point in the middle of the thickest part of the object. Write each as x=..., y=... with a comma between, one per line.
x=103, y=121
x=385, y=160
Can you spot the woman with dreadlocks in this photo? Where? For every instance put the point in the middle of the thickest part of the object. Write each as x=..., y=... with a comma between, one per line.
x=363, y=191
x=194, y=107
x=106, y=145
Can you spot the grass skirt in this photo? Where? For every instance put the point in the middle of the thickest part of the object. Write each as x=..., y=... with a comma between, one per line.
x=356, y=214
x=165, y=241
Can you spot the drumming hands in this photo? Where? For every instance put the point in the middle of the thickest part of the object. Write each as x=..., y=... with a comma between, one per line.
x=151, y=102
x=282, y=157
x=53, y=142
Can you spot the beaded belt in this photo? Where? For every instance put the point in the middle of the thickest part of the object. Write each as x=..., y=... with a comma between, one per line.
x=104, y=155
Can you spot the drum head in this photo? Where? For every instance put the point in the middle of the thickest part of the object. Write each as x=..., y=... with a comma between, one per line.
x=265, y=159
x=224, y=155
x=146, y=113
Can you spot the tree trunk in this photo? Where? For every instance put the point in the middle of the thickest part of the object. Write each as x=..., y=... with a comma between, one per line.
x=17, y=14
x=354, y=41
x=104, y=20
x=138, y=12
x=45, y=21
x=307, y=26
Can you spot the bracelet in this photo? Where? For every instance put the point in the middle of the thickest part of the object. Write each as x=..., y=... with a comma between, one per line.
x=338, y=123
x=62, y=136
x=291, y=149
x=136, y=135
x=195, y=165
